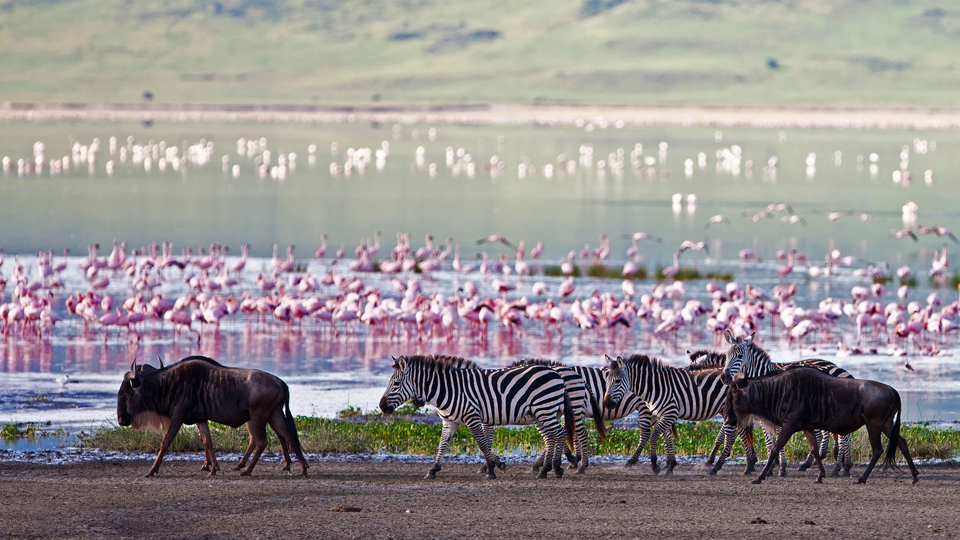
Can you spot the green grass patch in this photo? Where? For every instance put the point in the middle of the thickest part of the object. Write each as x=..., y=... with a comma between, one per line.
x=883, y=280
x=411, y=434
x=909, y=281
x=555, y=271
x=31, y=431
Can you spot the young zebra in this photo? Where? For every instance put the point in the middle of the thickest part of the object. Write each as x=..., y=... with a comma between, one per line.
x=746, y=358
x=465, y=394
x=672, y=394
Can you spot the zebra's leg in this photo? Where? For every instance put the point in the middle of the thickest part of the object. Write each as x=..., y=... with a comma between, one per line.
x=729, y=433
x=643, y=427
x=662, y=428
x=583, y=447
x=479, y=434
x=550, y=434
x=488, y=434
x=770, y=435
x=821, y=435
x=846, y=453
x=717, y=444
x=671, y=456
x=446, y=434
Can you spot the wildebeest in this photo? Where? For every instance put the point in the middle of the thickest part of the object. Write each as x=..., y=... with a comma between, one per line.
x=198, y=389
x=805, y=399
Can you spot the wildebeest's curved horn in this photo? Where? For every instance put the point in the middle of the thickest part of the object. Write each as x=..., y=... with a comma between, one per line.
x=133, y=365
x=160, y=360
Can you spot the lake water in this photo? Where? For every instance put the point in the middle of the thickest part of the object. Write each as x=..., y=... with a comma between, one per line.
x=205, y=203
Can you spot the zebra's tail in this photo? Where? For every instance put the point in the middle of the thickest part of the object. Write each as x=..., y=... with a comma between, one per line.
x=598, y=418
x=569, y=420
x=893, y=440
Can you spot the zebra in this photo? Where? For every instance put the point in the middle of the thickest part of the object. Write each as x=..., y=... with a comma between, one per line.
x=749, y=360
x=672, y=394
x=596, y=379
x=465, y=394
x=580, y=399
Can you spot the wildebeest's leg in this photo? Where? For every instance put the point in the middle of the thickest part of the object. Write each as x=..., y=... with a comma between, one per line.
x=782, y=439
x=279, y=426
x=815, y=450
x=246, y=454
x=446, y=434
x=258, y=432
x=210, y=464
x=168, y=437
x=905, y=450
x=873, y=433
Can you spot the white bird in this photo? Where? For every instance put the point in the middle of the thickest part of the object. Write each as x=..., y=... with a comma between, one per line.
x=63, y=380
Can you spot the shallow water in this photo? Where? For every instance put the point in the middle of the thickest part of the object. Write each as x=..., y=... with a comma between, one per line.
x=203, y=204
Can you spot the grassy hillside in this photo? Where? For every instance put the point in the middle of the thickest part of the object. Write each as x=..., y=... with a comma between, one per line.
x=639, y=52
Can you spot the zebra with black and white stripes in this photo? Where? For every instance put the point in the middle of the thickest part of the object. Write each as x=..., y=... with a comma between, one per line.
x=463, y=393
x=746, y=359
x=672, y=394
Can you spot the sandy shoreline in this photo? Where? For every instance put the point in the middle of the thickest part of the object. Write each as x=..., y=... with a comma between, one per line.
x=109, y=499
x=489, y=114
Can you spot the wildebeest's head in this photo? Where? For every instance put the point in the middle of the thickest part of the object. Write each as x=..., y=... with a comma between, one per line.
x=735, y=355
x=130, y=404
x=616, y=383
x=399, y=389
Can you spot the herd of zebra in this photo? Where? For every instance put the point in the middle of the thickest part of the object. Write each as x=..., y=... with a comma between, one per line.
x=544, y=392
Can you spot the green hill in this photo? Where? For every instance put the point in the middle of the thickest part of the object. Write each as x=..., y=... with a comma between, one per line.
x=642, y=52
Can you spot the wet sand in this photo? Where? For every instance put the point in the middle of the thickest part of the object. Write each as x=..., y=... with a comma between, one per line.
x=110, y=499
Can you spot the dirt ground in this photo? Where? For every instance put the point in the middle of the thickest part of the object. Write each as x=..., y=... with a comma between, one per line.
x=110, y=499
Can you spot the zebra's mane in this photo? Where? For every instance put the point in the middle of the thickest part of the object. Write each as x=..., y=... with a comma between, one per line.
x=706, y=359
x=536, y=362
x=441, y=363
x=642, y=359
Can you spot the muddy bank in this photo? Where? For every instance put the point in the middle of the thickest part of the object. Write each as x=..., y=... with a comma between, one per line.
x=110, y=499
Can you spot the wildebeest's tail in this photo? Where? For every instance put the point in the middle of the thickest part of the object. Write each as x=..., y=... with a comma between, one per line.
x=568, y=419
x=598, y=418
x=288, y=420
x=893, y=440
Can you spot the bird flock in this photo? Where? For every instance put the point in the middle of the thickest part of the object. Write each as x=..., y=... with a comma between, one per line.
x=429, y=293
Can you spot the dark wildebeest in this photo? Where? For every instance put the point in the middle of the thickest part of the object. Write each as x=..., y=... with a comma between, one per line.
x=805, y=399
x=198, y=389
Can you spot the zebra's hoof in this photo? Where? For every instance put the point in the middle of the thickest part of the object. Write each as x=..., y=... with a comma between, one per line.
x=630, y=463
x=845, y=473
x=783, y=473
x=803, y=467
x=502, y=466
x=668, y=472
x=861, y=481
x=712, y=472
x=655, y=468
x=835, y=474
x=543, y=474
x=559, y=472
x=710, y=462
x=483, y=470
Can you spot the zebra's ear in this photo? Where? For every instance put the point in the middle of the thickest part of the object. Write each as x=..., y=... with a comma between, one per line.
x=728, y=335
x=750, y=339
x=619, y=361
x=608, y=359
x=396, y=364
x=402, y=362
